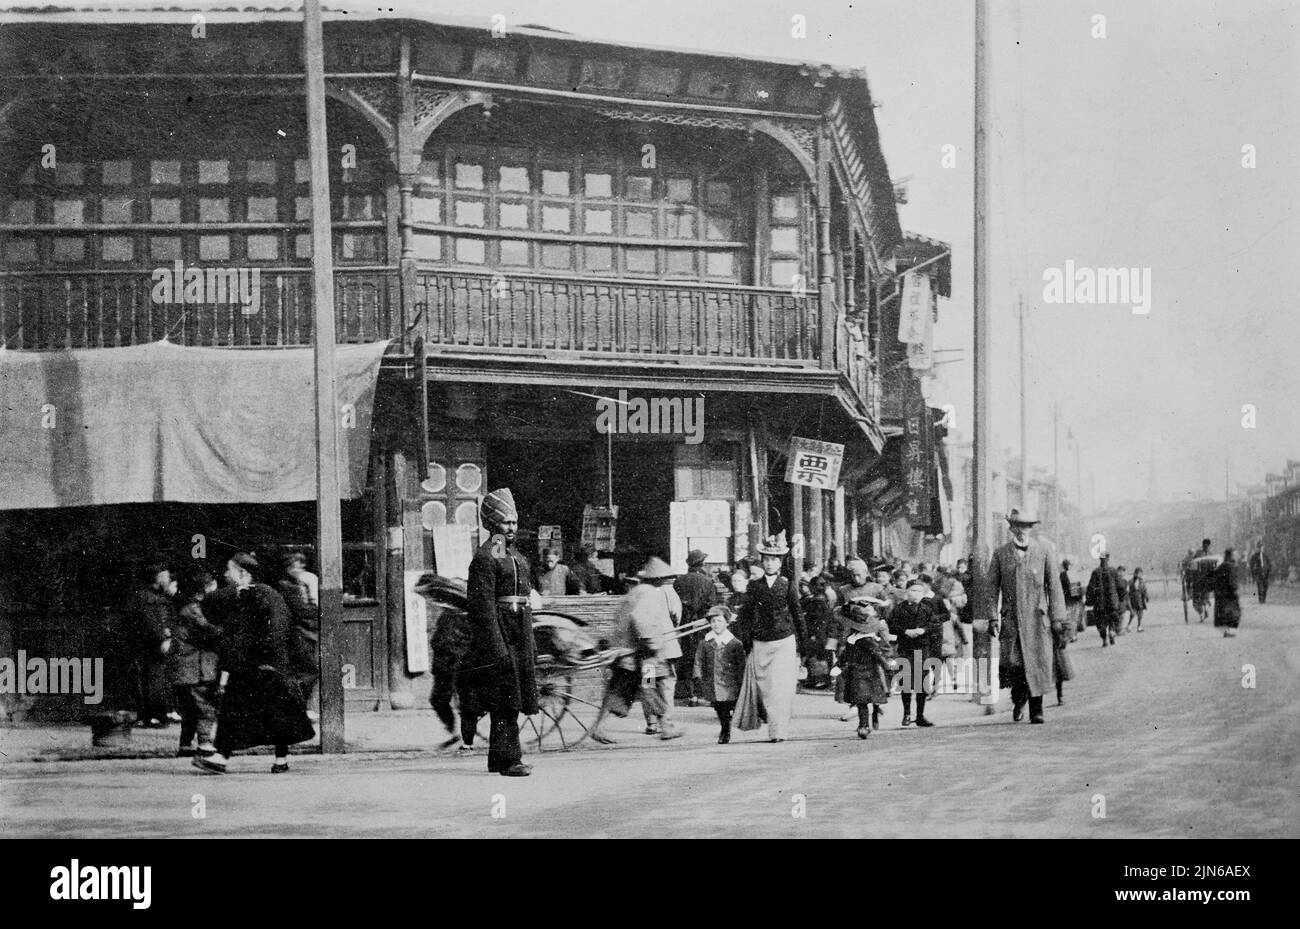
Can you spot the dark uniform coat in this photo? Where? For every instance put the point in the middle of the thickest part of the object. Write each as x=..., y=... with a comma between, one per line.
x=908, y=615
x=1029, y=587
x=498, y=668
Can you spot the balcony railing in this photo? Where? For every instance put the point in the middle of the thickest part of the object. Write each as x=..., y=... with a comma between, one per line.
x=48, y=311
x=637, y=318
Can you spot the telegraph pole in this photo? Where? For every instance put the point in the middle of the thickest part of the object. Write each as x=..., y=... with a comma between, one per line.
x=1024, y=422
x=986, y=647
x=1056, y=471
x=329, y=521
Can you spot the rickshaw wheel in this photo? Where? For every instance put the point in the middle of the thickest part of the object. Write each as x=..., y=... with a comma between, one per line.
x=566, y=714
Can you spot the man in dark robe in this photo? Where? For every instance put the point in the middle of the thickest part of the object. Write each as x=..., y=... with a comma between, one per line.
x=260, y=704
x=499, y=664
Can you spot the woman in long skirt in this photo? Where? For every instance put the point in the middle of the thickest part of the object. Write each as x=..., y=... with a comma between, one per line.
x=771, y=627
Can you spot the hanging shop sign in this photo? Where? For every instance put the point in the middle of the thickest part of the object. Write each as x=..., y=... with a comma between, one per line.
x=813, y=463
x=918, y=456
x=599, y=527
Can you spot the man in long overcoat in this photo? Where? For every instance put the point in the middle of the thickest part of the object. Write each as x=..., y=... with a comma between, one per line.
x=1025, y=575
x=498, y=668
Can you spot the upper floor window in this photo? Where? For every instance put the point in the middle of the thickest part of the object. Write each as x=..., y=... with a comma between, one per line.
x=192, y=207
x=531, y=208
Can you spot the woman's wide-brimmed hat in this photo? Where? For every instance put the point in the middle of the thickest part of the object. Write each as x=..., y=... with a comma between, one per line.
x=498, y=507
x=655, y=569
x=696, y=557
x=774, y=545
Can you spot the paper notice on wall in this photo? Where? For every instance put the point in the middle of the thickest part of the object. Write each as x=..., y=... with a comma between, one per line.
x=709, y=518
x=678, y=546
x=417, y=626
x=715, y=548
x=453, y=549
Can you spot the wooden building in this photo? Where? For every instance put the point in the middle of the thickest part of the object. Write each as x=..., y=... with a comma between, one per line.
x=532, y=221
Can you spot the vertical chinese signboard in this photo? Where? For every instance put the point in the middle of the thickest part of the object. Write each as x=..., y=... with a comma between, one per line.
x=918, y=456
x=813, y=463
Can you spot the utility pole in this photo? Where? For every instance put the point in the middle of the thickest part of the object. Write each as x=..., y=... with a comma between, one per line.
x=329, y=522
x=986, y=646
x=1056, y=471
x=1024, y=422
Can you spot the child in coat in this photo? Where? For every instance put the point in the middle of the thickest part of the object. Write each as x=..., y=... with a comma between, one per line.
x=719, y=668
x=865, y=660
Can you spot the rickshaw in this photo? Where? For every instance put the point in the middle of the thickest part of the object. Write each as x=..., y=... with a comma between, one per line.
x=1194, y=570
x=571, y=667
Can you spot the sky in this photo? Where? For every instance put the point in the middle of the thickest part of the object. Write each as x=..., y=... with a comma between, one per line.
x=1122, y=150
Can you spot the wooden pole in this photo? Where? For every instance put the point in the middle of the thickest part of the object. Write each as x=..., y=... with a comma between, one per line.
x=987, y=647
x=1024, y=420
x=329, y=522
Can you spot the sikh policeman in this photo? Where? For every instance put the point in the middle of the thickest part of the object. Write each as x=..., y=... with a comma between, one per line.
x=499, y=665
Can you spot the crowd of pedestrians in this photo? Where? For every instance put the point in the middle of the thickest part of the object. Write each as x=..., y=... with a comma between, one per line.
x=234, y=664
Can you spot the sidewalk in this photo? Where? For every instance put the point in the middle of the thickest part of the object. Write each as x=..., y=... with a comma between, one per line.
x=404, y=731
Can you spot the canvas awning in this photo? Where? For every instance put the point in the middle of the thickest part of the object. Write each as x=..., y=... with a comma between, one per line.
x=164, y=422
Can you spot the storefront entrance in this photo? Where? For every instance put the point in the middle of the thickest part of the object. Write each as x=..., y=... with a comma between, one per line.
x=553, y=481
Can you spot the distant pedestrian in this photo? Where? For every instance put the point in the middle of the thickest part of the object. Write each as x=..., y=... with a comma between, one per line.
x=1103, y=597
x=1137, y=596
x=719, y=667
x=1073, y=592
x=1062, y=669
x=823, y=628
x=739, y=585
x=865, y=660
x=553, y=579
x=1261, y=568
x=192, y=666
x=1124, y=610
x=149, y=616
x=1199, y=569
x=587, y=576
x=300, y=589
x=697, y=594
x=917, y=627
x=259, y=705
x=1227, y=608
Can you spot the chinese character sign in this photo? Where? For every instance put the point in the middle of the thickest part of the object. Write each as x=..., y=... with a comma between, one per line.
x=813, y=463
x=916, y=315
x=918, y=456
